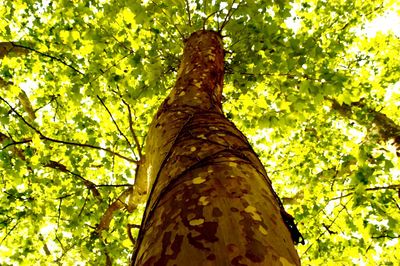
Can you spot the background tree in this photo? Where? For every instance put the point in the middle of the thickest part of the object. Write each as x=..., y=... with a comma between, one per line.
x=82, y=80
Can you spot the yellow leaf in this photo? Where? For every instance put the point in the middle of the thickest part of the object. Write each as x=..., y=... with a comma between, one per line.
x=75, y=35
x=64, y=36
x=37, y=143
x=127, y=243
x=284, y=105
x=86, y=49
x=35, y=160
x=128, y=16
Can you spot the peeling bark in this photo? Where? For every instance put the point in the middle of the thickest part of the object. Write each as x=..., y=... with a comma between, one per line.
x=211, y=202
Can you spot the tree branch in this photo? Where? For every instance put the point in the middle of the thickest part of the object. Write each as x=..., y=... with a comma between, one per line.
x=209, y=16
x=108, y=215
x=59, y=214
x=42, y=136
x=396, y=187
x=321, y=234
x=7, y=47
x=188, y=12
x=385, y=236
x=135, y=138
x=110, y=67
x=173, y=24
x=22, y=96
x=116, y=125
x=89, y=184
x=49, y=56
x=58, y=166
x=116, y=185
x=9, y=232
x=228, y=16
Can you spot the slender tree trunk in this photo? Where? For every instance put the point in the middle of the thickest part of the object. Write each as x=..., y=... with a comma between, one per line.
x=211, y=202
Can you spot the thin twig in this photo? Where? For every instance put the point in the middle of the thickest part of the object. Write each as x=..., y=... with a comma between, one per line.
x=205, y=20
x=321, y=234
x=228, y=16
x=83, y=206
x=385, y=236
x=173, y=24
x=59, y=242
x=135, y=138
x=188, y=12
x=120, y=43
x=60, y=141
x=59, y=214
x=117, y=185
x=58, y=259
x=49, y=56
x=116, y=125
x=109, y=67
x=9, y=232
x=89, y=184
x=368, y=189
x=52, y=98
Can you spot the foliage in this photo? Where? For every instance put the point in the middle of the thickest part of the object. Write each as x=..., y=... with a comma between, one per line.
x=81, y=80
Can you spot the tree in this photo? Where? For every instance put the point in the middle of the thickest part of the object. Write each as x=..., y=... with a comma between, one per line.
x=314, y=94
x=211, y=199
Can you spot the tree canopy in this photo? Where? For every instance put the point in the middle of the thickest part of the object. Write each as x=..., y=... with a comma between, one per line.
x=316, y=95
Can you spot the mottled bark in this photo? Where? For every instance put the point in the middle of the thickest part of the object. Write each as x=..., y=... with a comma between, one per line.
x=211, y=202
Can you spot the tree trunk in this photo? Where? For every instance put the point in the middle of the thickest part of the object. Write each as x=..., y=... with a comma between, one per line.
x=211, y=202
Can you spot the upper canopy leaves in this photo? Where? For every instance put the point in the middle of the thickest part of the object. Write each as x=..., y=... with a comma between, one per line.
x=80, y=81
